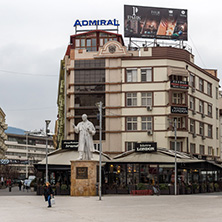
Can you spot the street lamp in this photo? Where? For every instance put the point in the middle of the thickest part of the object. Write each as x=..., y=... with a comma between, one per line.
x=46, y=156
x=26, y=166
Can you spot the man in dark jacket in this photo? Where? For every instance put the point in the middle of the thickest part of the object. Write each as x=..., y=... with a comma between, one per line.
x=48, y=193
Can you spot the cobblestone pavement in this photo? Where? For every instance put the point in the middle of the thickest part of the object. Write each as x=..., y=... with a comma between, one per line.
x=112, y=208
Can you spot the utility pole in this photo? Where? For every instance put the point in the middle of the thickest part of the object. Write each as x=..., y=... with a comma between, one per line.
x=175, y=149
x=100, y=149
x=46, y=156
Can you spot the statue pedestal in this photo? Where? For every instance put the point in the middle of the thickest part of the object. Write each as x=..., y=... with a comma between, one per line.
x=84, y=177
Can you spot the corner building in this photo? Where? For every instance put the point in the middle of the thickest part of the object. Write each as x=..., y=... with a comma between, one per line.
x=143, y=92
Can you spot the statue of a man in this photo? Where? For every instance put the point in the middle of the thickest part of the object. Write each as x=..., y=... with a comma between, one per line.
x=86, y=131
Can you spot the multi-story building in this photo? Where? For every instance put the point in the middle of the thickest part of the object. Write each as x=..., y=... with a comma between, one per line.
x=24, y=150
x=3, y=136
x=144, y=93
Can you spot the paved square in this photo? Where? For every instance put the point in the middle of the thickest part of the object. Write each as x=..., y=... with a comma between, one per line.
x=112, y=208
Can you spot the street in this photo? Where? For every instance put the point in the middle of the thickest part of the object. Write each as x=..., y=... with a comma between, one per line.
x=26, y=206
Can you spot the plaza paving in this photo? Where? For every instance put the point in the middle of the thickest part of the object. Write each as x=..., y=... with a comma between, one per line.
x=26, y=206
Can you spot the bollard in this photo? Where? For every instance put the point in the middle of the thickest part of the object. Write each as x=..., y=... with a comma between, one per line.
x=10, y=188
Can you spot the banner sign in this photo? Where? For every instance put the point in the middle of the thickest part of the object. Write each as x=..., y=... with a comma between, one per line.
x=146, y=147
x=70, y=144
x=179, y=109
x=159, y=23
x=179, y=84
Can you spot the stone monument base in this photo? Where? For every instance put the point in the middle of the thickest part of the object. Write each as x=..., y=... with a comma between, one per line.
x=84, y=177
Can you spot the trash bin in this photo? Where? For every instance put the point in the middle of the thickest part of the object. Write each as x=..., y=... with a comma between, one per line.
x=10, y=188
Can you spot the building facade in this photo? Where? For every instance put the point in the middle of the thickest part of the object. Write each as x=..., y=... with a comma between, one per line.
x=144, y=92
x=25, y=150
x=3, y=136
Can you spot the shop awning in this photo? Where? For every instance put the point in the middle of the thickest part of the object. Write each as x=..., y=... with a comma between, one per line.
x=63, y=157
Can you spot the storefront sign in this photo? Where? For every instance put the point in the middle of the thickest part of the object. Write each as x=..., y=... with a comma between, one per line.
x=81, y=172
x=12, y=161
x=70, y=144
x=179, y=84
x=179, y=109
x=159, y=23
x=146, y=147
x=113, y=22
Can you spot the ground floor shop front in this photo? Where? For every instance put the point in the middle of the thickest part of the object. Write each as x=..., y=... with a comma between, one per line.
x=139, y=171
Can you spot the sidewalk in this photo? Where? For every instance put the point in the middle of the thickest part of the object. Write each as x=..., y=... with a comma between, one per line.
x=113, y=208
x=15, y=192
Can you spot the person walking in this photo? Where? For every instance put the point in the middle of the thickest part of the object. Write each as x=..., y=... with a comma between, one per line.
x=20, y=185
x=48, y=193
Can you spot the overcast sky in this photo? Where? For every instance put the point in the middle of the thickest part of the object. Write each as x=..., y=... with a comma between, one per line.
x=35, y=34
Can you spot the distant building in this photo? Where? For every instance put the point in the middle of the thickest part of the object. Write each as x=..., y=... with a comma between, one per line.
x=24, y=150
x=3, y=136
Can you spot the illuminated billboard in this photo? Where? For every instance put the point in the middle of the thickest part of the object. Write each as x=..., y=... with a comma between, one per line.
x=159, y=23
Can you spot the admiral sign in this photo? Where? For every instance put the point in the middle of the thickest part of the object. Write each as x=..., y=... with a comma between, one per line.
x=101, y=22
x=146, y=147
x=159, y=23
x=179, y=84
x=179, y=109
x=70, y=144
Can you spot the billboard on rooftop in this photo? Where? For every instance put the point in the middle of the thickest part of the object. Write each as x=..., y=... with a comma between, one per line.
x=155, y=23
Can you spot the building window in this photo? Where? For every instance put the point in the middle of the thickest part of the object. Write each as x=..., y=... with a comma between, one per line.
x=201, y=106
x=131, y=123
x=209, y=89
x=178, y=148
x=210, y=150
x=178, y=98
x=201, y=129
x=202, y=149
x=131, y=75
x=216, y=113
x=192, y=80
x=131, y=99
x=192, y=103
x=192, y=126
x=146, y=123
x=217, y=151
x=146, y=99
x=217, y=133
x=130, y=146
x=192, y=148
x=209, y=131
x=209, y=111
x=201, y=87
x=180, y=122
x=216, y=90
x=146, y=75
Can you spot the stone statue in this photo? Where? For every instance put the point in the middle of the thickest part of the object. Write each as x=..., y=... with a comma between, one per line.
x=86, y=131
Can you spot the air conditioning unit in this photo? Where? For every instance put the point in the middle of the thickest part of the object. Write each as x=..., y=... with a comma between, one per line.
x=203, y=115
x=149, y=108
x=194, y=112
x=203, y=137
x=194, y=135
x=150, y=132
x=193, y=89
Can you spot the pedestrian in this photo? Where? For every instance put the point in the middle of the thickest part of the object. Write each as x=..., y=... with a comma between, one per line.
x=20, y=185
x=48, y=193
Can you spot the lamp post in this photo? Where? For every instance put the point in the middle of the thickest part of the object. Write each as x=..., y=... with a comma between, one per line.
x=26, y=166
x=46, y=157
x=100, y=104
x=175, y=150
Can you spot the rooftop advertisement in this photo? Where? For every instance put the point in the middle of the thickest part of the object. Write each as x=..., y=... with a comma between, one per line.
x=159, y=23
